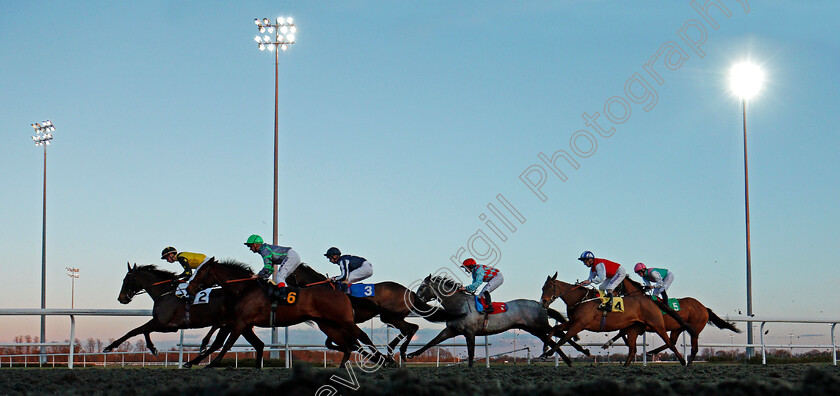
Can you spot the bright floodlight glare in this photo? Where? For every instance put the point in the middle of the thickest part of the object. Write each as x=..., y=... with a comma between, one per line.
x=271, y=29
x=290, y=21
x=262, y=29
x=257, y=39
x=271, y=47
x=291, y=37
x=293, y=29
x=266, y=38
x=280, y=20
x=746, y=79
x=283, y=47
x=262, y=47
x=256, y=21
x=284, y=29
x=265, y=21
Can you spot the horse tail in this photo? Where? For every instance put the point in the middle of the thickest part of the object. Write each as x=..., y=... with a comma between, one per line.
x=553, y=314
x=720, y=323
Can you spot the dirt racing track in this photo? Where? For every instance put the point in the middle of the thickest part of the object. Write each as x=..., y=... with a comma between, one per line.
x=658, y=380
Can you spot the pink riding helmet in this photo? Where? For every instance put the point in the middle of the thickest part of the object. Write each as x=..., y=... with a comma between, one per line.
x=639, y=267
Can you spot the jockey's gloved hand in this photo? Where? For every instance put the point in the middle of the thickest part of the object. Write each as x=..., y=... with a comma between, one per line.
x=264, y=273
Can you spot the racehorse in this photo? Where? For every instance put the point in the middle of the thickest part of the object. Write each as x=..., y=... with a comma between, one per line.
x=391, y=301
x=639, y=312
x=169, y=313
x=329, y=309
x=693, y=312
x=521, y=314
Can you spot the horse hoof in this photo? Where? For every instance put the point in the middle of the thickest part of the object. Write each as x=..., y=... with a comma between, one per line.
x=107, y=349
x=154, y=351
x=187, y=365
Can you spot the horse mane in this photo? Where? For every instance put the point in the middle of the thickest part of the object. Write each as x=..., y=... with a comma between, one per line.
x=447, y=282
x=311, y=271
x=633, y=283
x=156, y=271
x=236, y=265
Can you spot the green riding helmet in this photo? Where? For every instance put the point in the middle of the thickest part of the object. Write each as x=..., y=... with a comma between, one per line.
x=254, y=239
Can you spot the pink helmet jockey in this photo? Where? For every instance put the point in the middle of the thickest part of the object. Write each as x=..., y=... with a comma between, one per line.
x=639, y=267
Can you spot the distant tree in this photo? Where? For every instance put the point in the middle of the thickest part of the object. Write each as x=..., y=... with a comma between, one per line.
x=140, y=345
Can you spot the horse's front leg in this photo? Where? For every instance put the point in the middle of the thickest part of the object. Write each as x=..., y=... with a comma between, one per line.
x=444, y=335
x=146, y=328
x=470, y=348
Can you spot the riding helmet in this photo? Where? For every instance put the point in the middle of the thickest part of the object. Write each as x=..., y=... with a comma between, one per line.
x=586, y=255
x=333, y=251
x=167, y=250
x=254, y=239
x=639, y=267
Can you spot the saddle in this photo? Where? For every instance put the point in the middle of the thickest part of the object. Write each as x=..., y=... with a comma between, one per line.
x=617, y=302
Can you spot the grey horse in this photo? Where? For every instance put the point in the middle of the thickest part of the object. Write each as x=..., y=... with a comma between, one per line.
x=521, y=314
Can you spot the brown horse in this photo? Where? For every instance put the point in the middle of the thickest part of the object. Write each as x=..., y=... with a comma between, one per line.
x=640, y=312
x=693, y=312
x=392, y=301
x=169, y=313
x=329, y=309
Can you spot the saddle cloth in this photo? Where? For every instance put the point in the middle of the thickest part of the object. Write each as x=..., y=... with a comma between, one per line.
x=281, y=295
x=672, y=302
x=498, y=307
x=618, y=302
x=362, y=290
x=203, y=297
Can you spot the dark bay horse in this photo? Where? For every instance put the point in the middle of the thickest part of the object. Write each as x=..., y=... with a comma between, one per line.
x=392, y=301
x=693, y=312
x=329, y=309
x=526, y=315
x=640, y=312
x=169, y=313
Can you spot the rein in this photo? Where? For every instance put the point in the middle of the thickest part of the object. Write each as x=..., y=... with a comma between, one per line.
x=317, y=283
x=240, y=280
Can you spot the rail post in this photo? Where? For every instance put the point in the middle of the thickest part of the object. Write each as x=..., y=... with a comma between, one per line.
x=181, y=350
x=833, y=346
x=487, y=351
x=763, y=351
x=72, y=340
x=644, y=349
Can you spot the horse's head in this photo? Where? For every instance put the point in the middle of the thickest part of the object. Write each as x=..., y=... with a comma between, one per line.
x=130, y=286
x=146, y=278
x=425, y=292
x=549, y=291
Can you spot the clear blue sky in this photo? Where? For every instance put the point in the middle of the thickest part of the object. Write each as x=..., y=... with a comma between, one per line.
x=399, y=122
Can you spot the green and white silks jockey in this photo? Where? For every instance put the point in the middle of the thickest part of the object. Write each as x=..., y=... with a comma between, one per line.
x=280, y=261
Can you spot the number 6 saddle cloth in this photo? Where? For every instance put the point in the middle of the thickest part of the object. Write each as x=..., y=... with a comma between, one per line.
x=362, y=290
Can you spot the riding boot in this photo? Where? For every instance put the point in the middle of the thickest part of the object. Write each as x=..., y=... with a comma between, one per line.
x=488, y=304
x=607, y=306
x=664, y=296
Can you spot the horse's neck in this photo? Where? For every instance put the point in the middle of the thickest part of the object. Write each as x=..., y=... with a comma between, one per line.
x=156, y=287
x=572, y=295
x=456, y=302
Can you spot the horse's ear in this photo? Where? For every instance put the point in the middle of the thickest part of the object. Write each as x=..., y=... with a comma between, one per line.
x=555, y=276
x=127, y=264
x=135, y=267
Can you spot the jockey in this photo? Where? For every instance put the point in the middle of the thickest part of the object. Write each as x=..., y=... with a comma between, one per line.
x=353, y=268
x=189, y=261
x=604, y=272
x=278, y=260
x=659, y=279
x=483, y=273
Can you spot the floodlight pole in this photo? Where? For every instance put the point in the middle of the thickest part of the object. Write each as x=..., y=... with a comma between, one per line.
x=73, y=273
x=42, y=137
x=747, y=206
x=281, y=41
